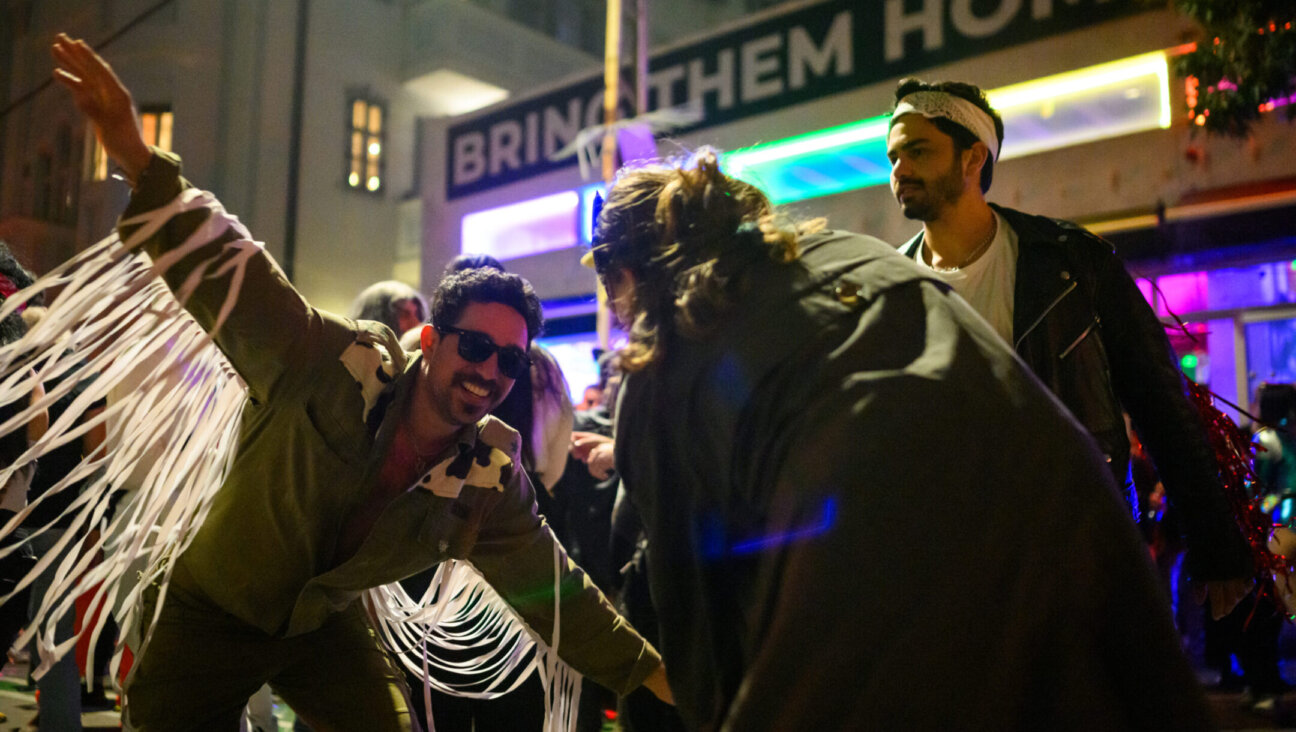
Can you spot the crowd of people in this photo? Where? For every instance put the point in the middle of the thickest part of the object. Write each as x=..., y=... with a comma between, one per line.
x=829, y=482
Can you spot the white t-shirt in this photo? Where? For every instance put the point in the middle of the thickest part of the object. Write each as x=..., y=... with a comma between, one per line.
x=987, y=284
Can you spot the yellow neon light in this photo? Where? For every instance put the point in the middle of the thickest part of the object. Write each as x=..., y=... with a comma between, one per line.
x=1047, y=92
x=1083, y=80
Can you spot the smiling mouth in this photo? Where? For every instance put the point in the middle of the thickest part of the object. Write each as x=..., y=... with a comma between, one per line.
x=477, y=391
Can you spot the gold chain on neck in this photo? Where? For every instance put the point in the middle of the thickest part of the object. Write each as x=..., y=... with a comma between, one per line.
x=975, y=252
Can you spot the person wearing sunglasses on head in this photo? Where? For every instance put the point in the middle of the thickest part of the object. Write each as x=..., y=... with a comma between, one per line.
x=358, y=464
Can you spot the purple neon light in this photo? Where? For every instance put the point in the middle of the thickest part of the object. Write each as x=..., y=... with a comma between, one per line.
x=1231, y=288
x=1182, y=293
x=827, y=517
x=521, y=229
x=1145, y=287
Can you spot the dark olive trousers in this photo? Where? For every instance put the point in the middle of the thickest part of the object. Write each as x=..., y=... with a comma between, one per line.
x=202, y=664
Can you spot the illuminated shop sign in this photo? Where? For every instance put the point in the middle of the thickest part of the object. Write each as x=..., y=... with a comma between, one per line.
x=788, y=59
x=1072, y=108
x=521, y=229
x=1094, y=103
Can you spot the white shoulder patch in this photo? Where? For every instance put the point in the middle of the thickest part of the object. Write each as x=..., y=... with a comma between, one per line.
x=494, y=432
x=374, y=360
x=503, y=454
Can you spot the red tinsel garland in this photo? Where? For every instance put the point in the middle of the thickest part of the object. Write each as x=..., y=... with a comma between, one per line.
x=1234, y=455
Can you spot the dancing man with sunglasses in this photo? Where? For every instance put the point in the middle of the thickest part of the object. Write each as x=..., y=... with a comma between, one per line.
x=358, y=464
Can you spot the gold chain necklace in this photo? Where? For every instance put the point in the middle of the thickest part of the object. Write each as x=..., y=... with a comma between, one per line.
x=975, y=252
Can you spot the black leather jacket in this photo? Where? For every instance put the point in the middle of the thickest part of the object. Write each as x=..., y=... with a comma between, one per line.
x=1083, y=327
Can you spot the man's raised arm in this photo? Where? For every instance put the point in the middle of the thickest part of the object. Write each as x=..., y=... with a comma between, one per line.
x=231, y=286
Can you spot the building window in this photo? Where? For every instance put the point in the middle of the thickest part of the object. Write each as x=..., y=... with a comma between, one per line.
x=365, y=160
x=155, y=123
x=96, y=160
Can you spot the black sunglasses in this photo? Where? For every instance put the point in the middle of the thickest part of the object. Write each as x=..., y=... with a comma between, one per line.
x=475, y=347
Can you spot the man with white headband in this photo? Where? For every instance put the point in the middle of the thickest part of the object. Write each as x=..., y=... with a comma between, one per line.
x=1060, y=296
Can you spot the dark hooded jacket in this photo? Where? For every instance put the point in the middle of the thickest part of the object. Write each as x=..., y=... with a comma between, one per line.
x=864, y=511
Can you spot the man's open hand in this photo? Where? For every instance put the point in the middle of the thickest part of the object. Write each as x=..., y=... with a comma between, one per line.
x=101, y=96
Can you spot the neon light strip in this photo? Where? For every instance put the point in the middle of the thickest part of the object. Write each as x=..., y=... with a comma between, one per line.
x=1036, y=115
x=587, y=211
x=1071, y=108
x=813, y=142
x=522, y=229
x=1070, y=83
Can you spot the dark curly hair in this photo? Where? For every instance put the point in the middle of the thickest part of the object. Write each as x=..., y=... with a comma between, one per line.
x=472, y=261
x=963, y=137
x=483, y=284
x=688, y=233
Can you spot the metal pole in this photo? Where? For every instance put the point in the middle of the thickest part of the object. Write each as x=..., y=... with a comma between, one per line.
x=611, y=87
x=641, y=57
x=294, y=140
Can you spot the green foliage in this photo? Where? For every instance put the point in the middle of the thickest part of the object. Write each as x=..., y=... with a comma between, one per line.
x=1245, y=58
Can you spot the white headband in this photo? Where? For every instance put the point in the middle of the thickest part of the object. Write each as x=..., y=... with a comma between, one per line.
x=956, y=109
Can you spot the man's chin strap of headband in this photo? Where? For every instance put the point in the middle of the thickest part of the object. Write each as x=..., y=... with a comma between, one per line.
x=956, y=109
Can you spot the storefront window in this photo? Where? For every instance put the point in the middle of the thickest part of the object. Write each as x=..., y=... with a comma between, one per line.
x=1193, y=349
x=1271, y=353
x=575, y=355
x=1273, y=283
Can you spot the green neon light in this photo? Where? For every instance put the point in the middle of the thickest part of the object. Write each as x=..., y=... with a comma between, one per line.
x=1189, y=361
x=853, y=133
x=1075, y=107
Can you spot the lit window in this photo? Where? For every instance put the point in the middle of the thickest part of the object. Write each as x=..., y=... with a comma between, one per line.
x=155, y=123
x=96, y=160
x=364, y=157
x=155, y=126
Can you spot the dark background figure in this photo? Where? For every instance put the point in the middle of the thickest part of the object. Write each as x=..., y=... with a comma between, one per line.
x=1250, y=633
x=585, y=498
x=1275, y=460
x=61, y=695
x=13, y=495
x=394, y=304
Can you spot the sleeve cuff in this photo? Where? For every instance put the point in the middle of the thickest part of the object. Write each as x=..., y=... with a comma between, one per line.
x=647, y=662
x=158, y=184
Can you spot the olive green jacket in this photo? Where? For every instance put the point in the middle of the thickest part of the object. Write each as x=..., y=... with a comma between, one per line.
x=324, y=396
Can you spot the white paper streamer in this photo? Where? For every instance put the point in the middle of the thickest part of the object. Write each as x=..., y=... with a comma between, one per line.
x=172, y=423
x=117, y=322
x=462, y=639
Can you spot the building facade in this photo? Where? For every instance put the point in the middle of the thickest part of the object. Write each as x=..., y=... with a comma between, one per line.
x=796, y=97
x=301, y=116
